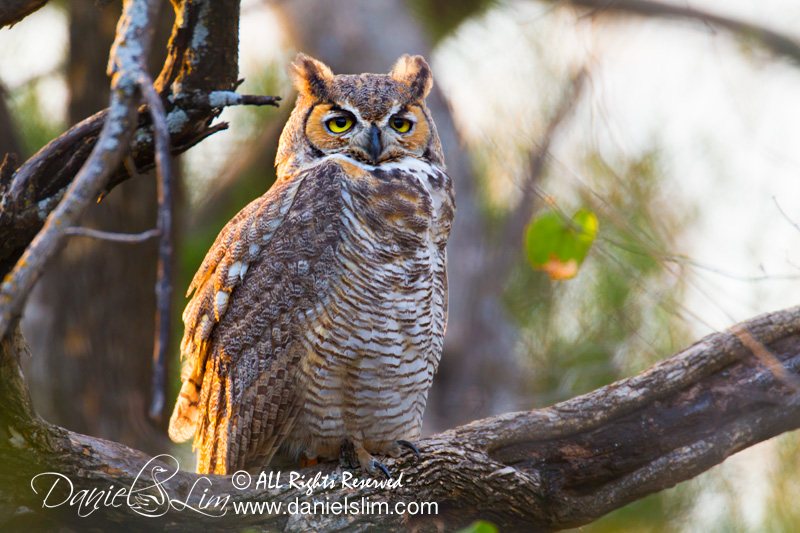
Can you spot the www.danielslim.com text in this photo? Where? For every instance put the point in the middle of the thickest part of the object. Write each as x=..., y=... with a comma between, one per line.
x=361, y=506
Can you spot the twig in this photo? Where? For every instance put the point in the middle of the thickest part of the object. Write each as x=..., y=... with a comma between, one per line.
x=230, y=98
x=128, y=55
x=522, y=214
x=788, y=219
x=517, y=219
x=164, y=282
x=112, y=236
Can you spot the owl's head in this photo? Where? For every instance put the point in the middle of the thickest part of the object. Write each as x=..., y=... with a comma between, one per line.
x=371, y=118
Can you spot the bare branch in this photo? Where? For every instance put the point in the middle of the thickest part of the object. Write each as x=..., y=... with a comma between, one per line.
x=164, y=281
x=230, y=98
x=783, y=213
x=127, y=59
x=12, y=11
x=775, y=42
x=112, y=236
x=205, y=33
x=520, y=217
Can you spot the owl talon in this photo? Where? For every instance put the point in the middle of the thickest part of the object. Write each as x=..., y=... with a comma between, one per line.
x=410, y=446
x=379, y=466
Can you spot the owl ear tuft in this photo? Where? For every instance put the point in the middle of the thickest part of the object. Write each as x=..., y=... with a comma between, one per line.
x=414, y=72
x=310, y=77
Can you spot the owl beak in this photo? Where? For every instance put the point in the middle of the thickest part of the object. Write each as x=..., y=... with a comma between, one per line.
x=374, y=146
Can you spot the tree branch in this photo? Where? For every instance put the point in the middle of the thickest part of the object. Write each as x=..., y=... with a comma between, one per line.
x=541, y=470
x=134, y=36
x=165, y=248
x=205, y=32
x=111, y=236
x=516, y=221
x=12, y=11
x=775, y=42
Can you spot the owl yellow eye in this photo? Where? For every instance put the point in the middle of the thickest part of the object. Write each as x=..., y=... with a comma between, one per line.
x=339, y=124
x=401, y=125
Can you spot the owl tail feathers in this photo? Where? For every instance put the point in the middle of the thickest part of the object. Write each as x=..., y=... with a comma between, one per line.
x=183, y=421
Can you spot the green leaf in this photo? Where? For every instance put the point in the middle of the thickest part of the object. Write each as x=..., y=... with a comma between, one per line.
x=481, y=526
x=558, y=246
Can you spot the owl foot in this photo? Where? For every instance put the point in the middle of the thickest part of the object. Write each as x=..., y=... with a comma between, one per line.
x=369, y=463
x=354, y=455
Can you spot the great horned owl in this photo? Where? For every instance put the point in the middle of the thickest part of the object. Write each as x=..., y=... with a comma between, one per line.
x=319, y=312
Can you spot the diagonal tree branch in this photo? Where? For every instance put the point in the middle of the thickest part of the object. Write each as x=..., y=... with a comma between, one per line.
x=775, y=42
x=12, y=11
x=541, y=470
x=128, y=54
x=514, y=229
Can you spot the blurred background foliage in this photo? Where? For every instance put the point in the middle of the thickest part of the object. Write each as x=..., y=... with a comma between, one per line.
x=659, y=187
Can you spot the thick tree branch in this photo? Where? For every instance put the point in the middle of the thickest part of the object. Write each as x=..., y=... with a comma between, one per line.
x=546, y=469
x=12, y=11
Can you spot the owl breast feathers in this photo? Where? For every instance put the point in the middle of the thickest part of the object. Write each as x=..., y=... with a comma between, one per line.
x=319, y=312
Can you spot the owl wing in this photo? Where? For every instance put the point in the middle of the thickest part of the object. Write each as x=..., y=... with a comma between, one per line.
x=241, y=332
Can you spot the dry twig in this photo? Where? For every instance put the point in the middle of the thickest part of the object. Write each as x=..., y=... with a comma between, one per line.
x=112, y=236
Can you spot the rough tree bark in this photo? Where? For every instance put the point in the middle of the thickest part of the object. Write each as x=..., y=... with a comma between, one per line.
x=541, y=470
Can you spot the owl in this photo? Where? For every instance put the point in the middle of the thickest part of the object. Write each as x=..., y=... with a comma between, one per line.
x=318, y=314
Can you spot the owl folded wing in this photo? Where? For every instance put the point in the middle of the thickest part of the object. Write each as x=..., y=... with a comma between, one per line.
x=207, y=389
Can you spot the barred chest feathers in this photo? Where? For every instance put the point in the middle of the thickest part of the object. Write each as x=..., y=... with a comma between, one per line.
x=370, y=361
